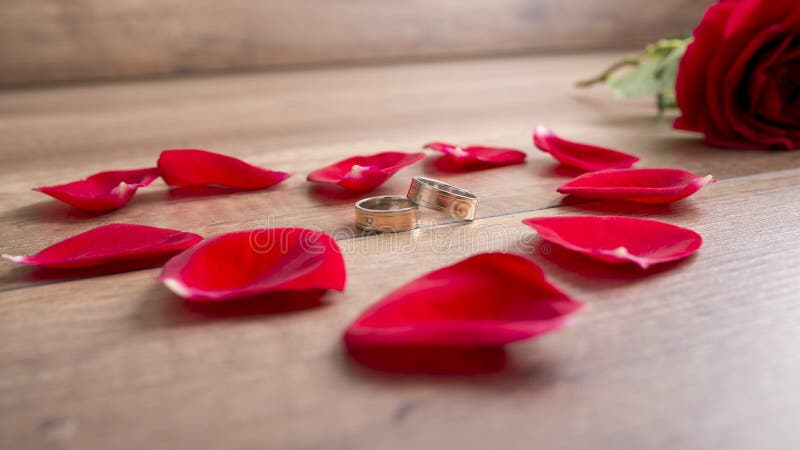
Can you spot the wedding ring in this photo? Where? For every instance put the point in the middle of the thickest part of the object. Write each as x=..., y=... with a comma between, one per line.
x=391, y=213
x=453, y=201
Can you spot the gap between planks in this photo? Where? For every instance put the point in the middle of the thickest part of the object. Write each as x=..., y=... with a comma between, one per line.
x=437, y=224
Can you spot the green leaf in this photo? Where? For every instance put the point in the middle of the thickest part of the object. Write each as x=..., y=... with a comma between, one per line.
x=641, y=81
x=651, y=73
x=668, y=76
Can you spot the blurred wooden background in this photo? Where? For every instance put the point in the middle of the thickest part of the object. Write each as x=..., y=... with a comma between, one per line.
x=56, y=40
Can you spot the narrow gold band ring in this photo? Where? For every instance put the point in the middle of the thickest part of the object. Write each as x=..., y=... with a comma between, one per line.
x=391, y=213
x=456, y=202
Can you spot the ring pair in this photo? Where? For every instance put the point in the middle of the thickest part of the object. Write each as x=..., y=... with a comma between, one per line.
x=394, y=213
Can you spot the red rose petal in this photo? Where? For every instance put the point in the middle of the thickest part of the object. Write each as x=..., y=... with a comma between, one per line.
x=751, y=16
x=476, y=157
x=110, y=244
x=248, y=263
x=264, y=304
x=741, y=72
x=431, y=360
x=692, y=79
x=616, y=239
x=738, y=48
x=637, y=185
x=103, y=191
x=201, y=167
x=364, y=173
x=582, y=156
x=771, y=84
x=487, y=300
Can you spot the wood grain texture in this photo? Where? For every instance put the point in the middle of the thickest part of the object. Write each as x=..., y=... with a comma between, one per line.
x=51, y=40
x=698, y=355
x=695, y=355
x=298, y=121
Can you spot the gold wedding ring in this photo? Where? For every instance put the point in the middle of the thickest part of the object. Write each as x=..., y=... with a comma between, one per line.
x=453, y=201
x=391, y=213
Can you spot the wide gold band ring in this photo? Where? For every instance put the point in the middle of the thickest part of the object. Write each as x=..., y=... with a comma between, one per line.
x=391, y=213
x=456, y=202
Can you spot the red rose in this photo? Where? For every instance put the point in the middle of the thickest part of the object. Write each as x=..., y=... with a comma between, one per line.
x=739, y=82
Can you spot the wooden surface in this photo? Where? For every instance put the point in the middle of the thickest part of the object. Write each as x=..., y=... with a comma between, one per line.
x=696, y=355
x=53, y=40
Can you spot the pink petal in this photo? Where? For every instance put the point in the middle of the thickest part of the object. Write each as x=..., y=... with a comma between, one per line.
x=364, y=173
x=487, y=300
x=201, y=167
x=248, y=263
x=110, y=244
x=103, y=191
x=616, y=239
x=477, y=157
x=582, y=156
x=637, y=185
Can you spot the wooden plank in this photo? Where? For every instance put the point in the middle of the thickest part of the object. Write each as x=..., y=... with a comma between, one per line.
x=301, y=120
x=699, y=355
x=46, y=40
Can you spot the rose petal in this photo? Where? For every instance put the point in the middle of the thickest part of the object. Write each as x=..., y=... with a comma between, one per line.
x=364, y=173
x=727, y=72
x=690, y=86
x=748, y=128
x=754, y=28
x=431, y=360
x=264, y=304
x=477, y=157
x=201, y=167
x=248, y=263
x=637, y=185
x=616, y=239
x=751, y=16
x=772, y=83
x=103, y=191
x=582, y=156
x=111, y=243
x=487, y=300
x=723, y=68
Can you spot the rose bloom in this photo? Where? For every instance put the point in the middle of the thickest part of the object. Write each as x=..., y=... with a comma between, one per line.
x=739, y=82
